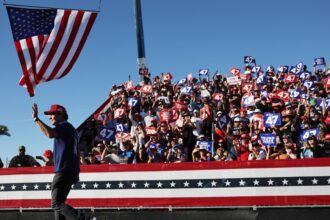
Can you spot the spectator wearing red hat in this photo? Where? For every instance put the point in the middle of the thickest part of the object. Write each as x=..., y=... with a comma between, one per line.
x=66, y=157
x=48, y=158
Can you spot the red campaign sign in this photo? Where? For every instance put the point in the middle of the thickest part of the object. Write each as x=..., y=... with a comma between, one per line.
x=290, y=78
x=100, y=117
x=260, y=118
x=246, y=87
x=129, y=85
x=245, y=77
x=123, y=136
x=119, y=113
x=235, y=71
x=146, y=89
x=181, y=106
x=284, y=95
x=217, y=96
x=327, y=82
x=165, y=115
x=151, y=130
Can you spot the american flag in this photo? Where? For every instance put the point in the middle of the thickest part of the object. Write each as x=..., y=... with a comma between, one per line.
x=207, y=184
x=48, y=41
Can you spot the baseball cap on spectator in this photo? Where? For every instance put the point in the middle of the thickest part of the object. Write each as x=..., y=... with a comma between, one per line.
x=163, y=124
x=327, y=137
x=48, y=154
x=245, y=136
x=237, y=119
x=201, y=136
x=55, y=108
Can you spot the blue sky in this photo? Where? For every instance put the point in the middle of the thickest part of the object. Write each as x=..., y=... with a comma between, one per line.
x=180, y=37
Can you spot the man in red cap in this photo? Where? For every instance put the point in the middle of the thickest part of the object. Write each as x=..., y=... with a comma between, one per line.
x=66, y=157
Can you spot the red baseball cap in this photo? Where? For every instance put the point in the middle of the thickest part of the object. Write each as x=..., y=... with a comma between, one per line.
x=54, y=109
x=48, y=153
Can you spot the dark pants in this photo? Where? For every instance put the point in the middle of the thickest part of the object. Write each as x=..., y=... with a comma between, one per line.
x=61, y=186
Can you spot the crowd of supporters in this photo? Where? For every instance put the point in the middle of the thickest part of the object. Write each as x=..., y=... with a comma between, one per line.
x=281, y=113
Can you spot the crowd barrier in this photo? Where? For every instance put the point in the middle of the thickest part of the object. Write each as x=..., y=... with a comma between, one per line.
x=270, y=183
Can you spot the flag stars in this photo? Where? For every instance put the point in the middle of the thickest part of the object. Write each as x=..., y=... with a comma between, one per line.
x=227, y=183
x=256, y=182
x=186, y=184
x=133, y=185
x=83, y=186
x=2, y=187
x=200, y=184
x=328, y=180
x=300, y=181
x=270, y=182
x=120, y=185
x=108, y=185
x=285, y=182
x=13, y=187
x=24, y=187
x=159, y=185
x=242, y=183
x=314, y=181
x=213, y=183
x=172, y=184
x=72, y=186
x=95, y=185
x=146, y=185
x=36, y=186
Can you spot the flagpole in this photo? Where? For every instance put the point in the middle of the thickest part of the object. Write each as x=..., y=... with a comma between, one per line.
x=43, y=7
x=139, y=34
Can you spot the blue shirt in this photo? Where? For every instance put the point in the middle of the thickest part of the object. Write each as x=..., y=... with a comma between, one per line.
x=66, y=152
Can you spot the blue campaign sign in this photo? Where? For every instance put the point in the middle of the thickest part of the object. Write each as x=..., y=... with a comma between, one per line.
x=249, y=59
x=182, y=81
x=305, y=134
x=256, y=69
x=308, y=84
x=204, y=72
x=270, y=69
x=272, y=119
x=294, y=70
x=268, y=139
x=303, y=95
x=303, y=75
x=106, y=133
x=207, y=145
x=326, y=103
x=186, y=90
x=264, y=93
x=294, y=93
x=133, y=102
x=261, y=79
x=300, y=66
x=121, y=127
x=222, y=121
x=283, y=69
x=319, y=61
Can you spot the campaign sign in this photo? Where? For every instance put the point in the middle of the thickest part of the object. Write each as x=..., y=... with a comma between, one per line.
x=294, y=93
x=284, y=95
x=283, y=69
x=100, y=117
x=217, y=96
x=308, y=84
x=186, y=90
x=203, y=72
x=305, y=134
x=249, y=59
x=151, y=130
x=259, y=118
x=290, y=78
x=146, y=89
x=319, y=61
x=256, y=69
x=261, y=79
x=294, y=70
x=133, y=102
x=270, y=69
x=222, y=121
x=303, y=75
x=248, y=100
x=272, y=119
x=235, y=71
x=123, y=136
x=129, y=85
x=268, y=139
x=106, y=133
x=234, y=80
x=182, y=81
x=327, y=82
x=165, y=115
x=121, y=127
x=300, y=66
x=164, y=98
x=321, y=102
x=119, y=113
x=264, y=93
x=207, y=145
x=246, y=87
x=181, y=106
